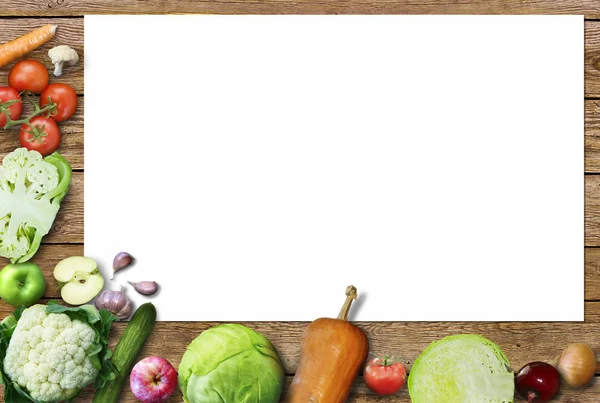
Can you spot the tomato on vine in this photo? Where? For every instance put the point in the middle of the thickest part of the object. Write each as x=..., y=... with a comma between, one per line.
x=10, y=104
x=65, y=98
x=41, y=134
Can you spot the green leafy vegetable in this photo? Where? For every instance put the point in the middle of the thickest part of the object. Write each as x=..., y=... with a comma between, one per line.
x=68, y=349
x=462, y=368
x=231, y=364
x=31, y=190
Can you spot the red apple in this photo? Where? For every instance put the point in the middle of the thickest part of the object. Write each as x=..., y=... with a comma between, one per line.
x=153, y=380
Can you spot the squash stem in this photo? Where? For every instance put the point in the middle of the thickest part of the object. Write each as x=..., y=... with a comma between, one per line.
x=350, y=296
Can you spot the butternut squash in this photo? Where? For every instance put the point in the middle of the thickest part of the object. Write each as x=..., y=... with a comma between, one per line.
x=333, y=351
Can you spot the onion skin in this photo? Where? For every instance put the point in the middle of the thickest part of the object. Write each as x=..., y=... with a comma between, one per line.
x=577, y=365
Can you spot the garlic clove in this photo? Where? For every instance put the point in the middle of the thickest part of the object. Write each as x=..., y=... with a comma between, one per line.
x=121, y=261
x=145, y=287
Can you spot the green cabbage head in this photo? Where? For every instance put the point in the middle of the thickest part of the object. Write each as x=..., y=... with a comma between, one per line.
x=463, y=368
x=231, y=364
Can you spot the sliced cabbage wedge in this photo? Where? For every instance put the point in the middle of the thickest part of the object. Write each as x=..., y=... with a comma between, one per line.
x=462, y=368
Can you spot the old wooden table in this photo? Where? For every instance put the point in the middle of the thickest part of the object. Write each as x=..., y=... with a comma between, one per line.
x=522, y=342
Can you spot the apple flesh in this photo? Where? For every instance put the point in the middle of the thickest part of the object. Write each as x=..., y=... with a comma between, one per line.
x=153, y=380
x=79, y=278
x=22, y=284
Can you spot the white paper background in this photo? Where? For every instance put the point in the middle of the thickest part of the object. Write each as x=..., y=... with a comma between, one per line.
x=257, y=165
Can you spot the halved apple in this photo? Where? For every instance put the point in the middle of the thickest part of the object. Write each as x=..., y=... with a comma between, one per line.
x=79, y=278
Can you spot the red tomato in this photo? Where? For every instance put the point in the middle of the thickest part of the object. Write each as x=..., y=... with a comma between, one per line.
x=384, y=376
x=44, y=137
x=14, y=111
x=65, y=98
x=28, y=75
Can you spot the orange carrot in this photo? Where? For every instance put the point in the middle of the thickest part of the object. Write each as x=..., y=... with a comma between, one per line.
x=12, y=50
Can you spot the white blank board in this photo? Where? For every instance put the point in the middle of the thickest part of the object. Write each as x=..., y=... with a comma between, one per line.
x=255, y=166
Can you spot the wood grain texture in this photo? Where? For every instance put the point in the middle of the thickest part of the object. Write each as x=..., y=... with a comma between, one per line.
x=521, y=343
x=590, y=8
x=68, y=227
x=69, y=32
x=361, y=394
x=592, y=210
x=50, y=254
x=592, y=274
x=592, y=136
x=592, y=58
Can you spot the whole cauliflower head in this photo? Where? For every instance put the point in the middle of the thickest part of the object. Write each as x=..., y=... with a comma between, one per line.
x=50, y=355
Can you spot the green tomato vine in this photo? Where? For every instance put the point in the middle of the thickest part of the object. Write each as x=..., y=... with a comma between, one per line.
x=37, y=132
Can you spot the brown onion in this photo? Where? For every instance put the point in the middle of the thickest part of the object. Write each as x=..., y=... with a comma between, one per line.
x=577, y=365
x=115, y=302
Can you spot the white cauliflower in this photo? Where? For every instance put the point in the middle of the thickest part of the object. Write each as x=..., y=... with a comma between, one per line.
x=31, y=190
x=51, y=356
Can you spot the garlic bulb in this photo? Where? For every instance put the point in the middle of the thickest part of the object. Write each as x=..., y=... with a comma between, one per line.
x=115, y=302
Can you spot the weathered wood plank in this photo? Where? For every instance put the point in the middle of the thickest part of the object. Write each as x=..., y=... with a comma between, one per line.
x=522, y=342
x=73, y=137
x=589, y=8
x=592, y=135
x=362, y=394
x=592, y=210
x=71, y=146
x=50, y=254
x=592, y=59
x=69, y=32
x=68, y=226
x=592, y=274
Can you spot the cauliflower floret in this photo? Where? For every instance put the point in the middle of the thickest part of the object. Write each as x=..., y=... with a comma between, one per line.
x=49, y=355
x=14, y=247
x=43, y=177
x=14, y=162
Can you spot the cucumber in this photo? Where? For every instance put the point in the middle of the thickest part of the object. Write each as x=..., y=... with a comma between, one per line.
x=135, y=335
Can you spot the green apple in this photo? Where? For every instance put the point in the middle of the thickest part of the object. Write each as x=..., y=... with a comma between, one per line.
x=22, y=284
x=79, y=278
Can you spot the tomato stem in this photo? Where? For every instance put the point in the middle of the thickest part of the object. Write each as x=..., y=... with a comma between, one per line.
x=49, y=109
x=4, y=107
x=37, y=133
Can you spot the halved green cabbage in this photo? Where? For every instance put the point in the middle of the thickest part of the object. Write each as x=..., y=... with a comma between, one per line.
x=463, y=368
